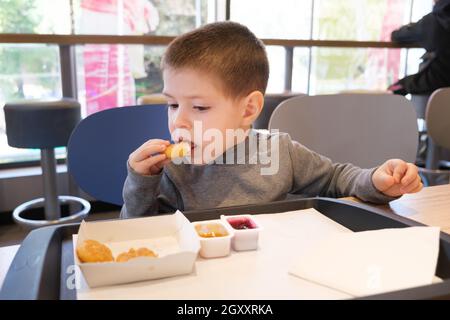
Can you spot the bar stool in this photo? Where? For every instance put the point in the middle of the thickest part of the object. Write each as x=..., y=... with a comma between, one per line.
x=44, y=125
x=419, y=101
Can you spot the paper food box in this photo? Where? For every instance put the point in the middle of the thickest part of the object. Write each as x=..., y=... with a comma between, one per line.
x=171, y=237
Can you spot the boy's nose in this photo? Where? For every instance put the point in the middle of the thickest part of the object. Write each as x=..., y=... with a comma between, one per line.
x=181, y=120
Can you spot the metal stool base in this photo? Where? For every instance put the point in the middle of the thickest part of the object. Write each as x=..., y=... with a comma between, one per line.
x=435, y=177
x=39, y=203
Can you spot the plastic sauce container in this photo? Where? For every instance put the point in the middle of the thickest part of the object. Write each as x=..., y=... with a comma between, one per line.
x=246, y=231
x=215, y=238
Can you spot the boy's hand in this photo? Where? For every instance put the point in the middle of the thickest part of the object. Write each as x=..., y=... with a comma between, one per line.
x=147, y=160
x=395, y=177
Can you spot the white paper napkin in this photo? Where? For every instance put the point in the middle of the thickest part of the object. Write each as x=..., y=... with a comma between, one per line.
x=370, y=262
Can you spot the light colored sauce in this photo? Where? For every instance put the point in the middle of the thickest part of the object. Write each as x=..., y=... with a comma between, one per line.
x=211, y=230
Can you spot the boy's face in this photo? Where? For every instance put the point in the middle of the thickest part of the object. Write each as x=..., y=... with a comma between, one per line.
x=199, y=112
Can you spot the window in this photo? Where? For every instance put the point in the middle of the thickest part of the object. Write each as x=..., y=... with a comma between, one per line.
x=35, y=16
x=29, y=71
x=262, y=17
x=362, y=20
x=107, y=75
x=116, y=75
x=334, y=69
x=26, y=72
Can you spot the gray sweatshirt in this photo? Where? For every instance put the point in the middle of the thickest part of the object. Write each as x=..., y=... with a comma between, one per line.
x=298, y=171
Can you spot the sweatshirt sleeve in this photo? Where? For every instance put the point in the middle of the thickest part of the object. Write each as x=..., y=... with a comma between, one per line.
x=411, y=33
x=421, y=32
x=140, y=194
x=316, y=175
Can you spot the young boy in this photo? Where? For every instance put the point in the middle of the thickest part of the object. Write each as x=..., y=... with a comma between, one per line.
x=215, y=78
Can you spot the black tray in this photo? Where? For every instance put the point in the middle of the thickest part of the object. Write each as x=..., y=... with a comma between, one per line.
x=38, y=270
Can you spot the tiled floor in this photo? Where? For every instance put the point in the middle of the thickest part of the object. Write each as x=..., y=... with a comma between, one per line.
x=11, y=234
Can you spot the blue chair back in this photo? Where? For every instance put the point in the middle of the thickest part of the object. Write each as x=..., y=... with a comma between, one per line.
x=100, y=145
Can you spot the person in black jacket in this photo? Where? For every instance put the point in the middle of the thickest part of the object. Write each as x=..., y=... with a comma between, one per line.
x=432, y=32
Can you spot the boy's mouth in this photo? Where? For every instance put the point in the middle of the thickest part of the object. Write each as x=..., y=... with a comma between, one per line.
x=192, y=144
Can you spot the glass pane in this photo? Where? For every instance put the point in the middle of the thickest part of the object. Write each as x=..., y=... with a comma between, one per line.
x=363, y=20
x=105, y=75
x=110, y=76
x=414, y=59
x=421, y=8
x=263, y=17
x=35, y=16
x=26, y=72
x=300, y=73
x=150, y=79
x=335, y=70
x=137, y=17
x=276, y=55
x=121, y=17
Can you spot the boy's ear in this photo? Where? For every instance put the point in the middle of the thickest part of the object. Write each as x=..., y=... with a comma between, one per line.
x=253, y=105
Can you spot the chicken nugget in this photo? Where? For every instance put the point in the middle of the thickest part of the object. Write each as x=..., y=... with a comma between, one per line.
x=177, y=150
x=132, y=253
x=125, y=256
x=94, y=251
x=144, y=252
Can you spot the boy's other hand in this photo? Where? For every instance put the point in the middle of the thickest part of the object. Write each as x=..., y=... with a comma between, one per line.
x=149, y=158
x=396, y=177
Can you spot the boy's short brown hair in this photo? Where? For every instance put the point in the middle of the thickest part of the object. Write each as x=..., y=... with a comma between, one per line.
x=227, y=50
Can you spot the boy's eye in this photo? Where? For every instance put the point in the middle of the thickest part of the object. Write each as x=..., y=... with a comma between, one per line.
x=200, y=108
x=173, y=105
